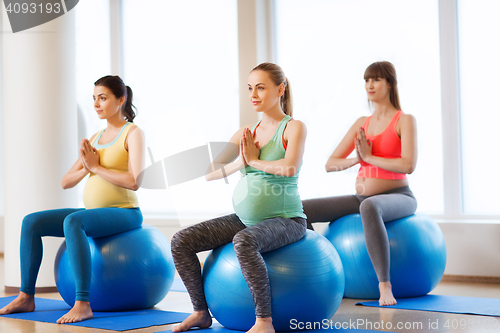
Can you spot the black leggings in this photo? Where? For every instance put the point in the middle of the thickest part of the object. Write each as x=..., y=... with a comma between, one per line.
x=249, y=243
x=374, y=210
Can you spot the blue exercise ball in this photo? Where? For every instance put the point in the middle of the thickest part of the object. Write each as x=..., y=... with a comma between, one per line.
x=417, y=252
x=130, y=270
x=306, y=278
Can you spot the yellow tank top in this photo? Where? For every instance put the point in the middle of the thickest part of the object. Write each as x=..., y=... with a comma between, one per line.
x=99, y=193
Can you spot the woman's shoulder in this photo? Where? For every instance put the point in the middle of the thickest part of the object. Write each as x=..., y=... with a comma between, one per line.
x=359, y=122
x=362, y=119
x=407, y=119
x=249, y=126
x=239, y=133
x=135, y=133
x=134, y=127
x=407, y=122
x=407, y=116
x=296, y=125
x=95, y=135
x=295, y=128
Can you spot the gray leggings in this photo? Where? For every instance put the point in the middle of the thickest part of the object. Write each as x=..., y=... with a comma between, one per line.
x=374, y=210
x=249, y=243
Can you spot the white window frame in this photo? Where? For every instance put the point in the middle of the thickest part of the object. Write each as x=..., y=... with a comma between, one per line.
x=451, y=122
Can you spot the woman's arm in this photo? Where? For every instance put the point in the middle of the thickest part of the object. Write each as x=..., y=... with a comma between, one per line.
x=295, y=135
x=77, y=172
x=338, y=161
x=136, y=160
x=74, y=175
x=226, y=163
x=407, y=162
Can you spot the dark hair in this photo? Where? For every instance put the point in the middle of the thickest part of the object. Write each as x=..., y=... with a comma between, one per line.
x=385, y=70
x=278, y=77
x=119, y=89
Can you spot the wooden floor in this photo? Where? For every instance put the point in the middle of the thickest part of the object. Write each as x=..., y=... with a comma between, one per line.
x=348, y=312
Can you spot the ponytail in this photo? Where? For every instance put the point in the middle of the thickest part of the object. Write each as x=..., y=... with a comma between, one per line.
x=286, y=99
x=278, y=77
x=128, y=107
x=119, y=89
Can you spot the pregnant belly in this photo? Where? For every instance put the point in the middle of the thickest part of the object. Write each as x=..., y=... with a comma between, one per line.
x=255, y=199
x=371, y=186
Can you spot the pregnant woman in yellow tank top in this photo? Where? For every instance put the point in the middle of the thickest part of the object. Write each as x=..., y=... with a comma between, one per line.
x=114, y=157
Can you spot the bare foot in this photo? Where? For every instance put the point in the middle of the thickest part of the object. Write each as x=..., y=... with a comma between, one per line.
x=201, y=319
x=386, y=297
x=81, y=311
x=22, y=303
x=262, y=325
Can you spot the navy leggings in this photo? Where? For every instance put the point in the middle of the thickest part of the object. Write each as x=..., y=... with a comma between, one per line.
x=374, y=210
x=75, y=224
x=249, y=243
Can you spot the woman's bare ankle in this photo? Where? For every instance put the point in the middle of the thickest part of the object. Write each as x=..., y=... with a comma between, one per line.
x=201, y=319
x=22, y=303
x=386, y=296
x=262, y=325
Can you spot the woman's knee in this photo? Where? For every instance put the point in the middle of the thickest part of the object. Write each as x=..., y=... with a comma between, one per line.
x=244, y=239
x=368, y=208
x=32, y=222
x=72, y=222
x=181, y=241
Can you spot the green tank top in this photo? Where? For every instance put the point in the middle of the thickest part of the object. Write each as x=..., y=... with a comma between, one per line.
x=260, y=195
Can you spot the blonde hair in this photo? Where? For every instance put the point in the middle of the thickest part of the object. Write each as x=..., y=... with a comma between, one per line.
x=385, y=70
x=278, y=77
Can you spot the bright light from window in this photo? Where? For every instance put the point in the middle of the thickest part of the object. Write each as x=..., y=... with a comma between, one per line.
x=93, y=61
x=181, y=61
x=479, y=54
x=324, y=47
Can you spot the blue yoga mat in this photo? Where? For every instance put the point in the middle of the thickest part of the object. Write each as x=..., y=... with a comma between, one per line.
x=449, y=304
x=218, y=328
x=49, y=310
x=178, y=285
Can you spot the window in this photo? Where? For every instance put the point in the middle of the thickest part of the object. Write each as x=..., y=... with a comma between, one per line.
x=93, y=61
x=324, y=47
x=479, y=54
x=181, y=60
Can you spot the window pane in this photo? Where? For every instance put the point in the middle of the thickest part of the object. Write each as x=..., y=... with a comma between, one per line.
x=324, y=47
x=93, y=60
x=181, y=60
x=479, y=53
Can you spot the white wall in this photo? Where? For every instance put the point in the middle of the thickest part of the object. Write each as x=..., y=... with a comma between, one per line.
x=2, y=193
x=472, y=249
x=36, y=119
x=2, y=246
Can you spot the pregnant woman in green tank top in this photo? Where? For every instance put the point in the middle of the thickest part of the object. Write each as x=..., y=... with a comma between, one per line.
x=268, y=208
